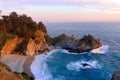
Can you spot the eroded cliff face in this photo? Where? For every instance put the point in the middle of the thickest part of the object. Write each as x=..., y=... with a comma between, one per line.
x=30, y=47
x=10, y=46
x=37, y=45
x=20, y=34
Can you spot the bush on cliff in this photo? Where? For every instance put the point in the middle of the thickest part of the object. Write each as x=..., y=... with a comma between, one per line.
x=21, y=26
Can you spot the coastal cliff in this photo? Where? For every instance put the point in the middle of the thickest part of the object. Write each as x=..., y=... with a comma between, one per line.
x=21, y=35
x=24, y=38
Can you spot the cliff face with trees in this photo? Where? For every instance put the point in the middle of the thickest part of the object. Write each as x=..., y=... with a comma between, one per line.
x=20, y=34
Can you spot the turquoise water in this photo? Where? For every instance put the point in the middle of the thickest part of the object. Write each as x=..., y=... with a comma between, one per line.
x=61, y=65
x=64, y=66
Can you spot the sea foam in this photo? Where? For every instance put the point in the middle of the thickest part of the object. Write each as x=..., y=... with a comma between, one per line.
x=40, y=70
x=101, y=50
x=39, y=67
x=77, y=66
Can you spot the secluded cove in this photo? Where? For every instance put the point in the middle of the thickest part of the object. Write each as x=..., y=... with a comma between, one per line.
x=33, y=49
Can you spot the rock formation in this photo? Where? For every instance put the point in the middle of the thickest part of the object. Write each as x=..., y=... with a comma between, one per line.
x=10, y=45
x=19, y=34
x=85, y=44
x=32, y=38
x=116, y=75
x=37, y=45
x=16, y=45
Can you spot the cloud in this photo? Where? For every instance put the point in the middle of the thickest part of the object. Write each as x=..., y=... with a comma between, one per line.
x=96, y=3
x=62, y=8
x=103, y=4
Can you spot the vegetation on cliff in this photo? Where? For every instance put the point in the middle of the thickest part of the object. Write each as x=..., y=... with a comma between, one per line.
x=20, y=34
x=20, y=26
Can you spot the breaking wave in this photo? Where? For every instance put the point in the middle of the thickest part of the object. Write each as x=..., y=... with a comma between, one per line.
x=39, y=67
x=101, y=50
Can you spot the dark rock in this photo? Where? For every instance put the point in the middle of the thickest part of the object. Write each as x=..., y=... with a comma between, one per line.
x=86, y=44
x=85, y=64
x=116, y=75
x=67, y=44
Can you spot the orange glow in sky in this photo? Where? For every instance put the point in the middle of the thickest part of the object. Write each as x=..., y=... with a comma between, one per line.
x=65, y=10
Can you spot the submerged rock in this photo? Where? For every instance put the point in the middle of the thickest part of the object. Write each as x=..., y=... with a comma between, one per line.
x=85, y=64
x=116, y=75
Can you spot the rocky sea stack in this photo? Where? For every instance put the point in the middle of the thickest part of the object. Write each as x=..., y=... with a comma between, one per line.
x=72, y=44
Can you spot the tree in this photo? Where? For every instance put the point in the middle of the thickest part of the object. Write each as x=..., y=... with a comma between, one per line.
x=42, y=27
x=13, y=16
x=2, y=27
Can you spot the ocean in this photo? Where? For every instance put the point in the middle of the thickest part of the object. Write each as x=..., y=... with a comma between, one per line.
x=59, y=64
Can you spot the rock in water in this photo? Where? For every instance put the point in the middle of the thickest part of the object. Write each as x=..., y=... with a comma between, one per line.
x=67, y=44
x=86, y=44
x=116, y=75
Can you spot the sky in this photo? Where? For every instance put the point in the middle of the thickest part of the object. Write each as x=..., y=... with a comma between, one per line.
x=64, y=10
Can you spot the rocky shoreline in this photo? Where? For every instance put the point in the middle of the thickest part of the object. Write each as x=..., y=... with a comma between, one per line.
x=20, y=35
x=31, y=38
